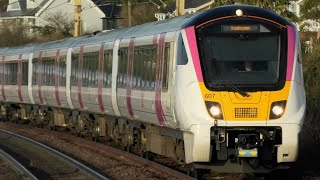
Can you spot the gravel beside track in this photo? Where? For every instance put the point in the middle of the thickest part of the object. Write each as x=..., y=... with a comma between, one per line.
x=111, y=162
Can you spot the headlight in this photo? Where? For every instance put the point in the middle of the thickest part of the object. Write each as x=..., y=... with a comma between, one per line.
x=239, y=12
x=277, y=109
x=214, y=110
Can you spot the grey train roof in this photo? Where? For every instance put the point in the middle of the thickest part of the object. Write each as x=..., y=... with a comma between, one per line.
x=59, y=44
x=157, y=27
x=1, y=50
x=27, y=49
x=108, y=36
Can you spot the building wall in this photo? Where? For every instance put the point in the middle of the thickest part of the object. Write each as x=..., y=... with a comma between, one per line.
x=90, y=14
x=33, y=3
x=14, y=5
x=295, y=8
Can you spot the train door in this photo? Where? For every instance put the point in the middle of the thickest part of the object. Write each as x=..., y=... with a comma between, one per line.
x=122, y=78
x=23, y=71
x=143, y=79
x=77, y=79
x=166, y=77
x=90, y=65
x=48, y=77
x=37, y=77
x=60, y=78
x=164, y=69
x=53, y=80
x=105, y=78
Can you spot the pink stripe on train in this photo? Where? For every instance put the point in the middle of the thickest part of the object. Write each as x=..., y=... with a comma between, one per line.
x=57, y=78
x=100, y=77
x=20, y=78
x=129, y=77
x=159, y=67
x=2, y=80
x=193, y=47
x=40, y=70
x=291, y=51
x=80, y=67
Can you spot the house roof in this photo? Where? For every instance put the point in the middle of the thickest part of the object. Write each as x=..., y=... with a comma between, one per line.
x=195, y=3
x=109, y=8
x=189, y=4
x=16, y=13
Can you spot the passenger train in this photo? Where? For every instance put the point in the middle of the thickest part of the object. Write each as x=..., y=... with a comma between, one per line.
x=220, y=89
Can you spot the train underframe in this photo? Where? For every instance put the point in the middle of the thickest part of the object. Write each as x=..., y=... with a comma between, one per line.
x=146, y=140
x=233, y=149
x=244, y=149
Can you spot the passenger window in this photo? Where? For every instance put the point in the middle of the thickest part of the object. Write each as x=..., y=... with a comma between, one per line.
x=165, y=72
x=90, y=69
x=34, y=71
x=107, y=69
x=182, y=58
x=12, y=72
x=144, y=67
x=74, y=69
x=25, y=72
x=62, y=70
x=123, y=65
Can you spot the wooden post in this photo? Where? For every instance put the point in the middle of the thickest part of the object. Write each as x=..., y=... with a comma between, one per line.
x=180, y=7
x=77, y=18
x=129, y=13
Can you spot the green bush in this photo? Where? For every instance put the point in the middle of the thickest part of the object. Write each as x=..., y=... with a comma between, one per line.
x=311, y=70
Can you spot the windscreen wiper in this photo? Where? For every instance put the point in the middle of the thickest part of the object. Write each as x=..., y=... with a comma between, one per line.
x=232, y=86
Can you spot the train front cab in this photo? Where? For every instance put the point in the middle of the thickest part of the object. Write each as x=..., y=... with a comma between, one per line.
x=250, y=77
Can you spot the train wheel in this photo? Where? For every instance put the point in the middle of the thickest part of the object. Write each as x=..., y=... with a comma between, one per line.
x=52, y=126
x=80, y=126
x=15, y=117
x=95, y=131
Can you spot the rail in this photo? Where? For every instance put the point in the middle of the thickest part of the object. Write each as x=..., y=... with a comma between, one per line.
x=90, y=172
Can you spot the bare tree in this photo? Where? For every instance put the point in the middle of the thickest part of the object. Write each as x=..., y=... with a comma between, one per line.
x=58, y=26
x=14, y=33
x=3, y=5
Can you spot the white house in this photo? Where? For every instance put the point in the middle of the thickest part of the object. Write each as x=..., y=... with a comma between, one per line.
x=295, y=8
x=36, y=12
x=191, y=6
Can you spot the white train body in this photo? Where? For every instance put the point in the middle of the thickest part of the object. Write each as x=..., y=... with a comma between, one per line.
x=151, y=78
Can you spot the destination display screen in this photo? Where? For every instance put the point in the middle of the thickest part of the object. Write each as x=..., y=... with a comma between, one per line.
x=240, y=28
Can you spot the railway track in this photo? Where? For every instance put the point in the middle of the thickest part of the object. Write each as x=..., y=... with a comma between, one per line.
x=20, y=170
x=38, y=161
x=115, y=163
x=109, y=161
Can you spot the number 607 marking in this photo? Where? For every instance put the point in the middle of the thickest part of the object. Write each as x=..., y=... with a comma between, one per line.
x=209, y=96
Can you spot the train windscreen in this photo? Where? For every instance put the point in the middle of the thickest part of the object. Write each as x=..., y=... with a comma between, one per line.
x=245, y=54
